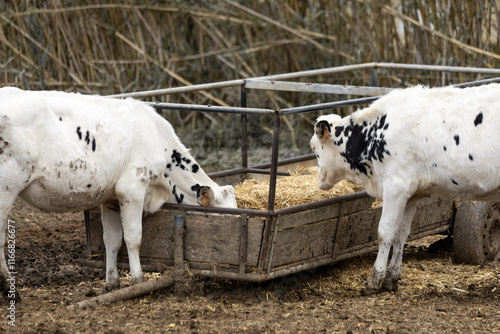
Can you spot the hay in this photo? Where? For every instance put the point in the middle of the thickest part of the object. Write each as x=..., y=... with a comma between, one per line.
x=299, y=188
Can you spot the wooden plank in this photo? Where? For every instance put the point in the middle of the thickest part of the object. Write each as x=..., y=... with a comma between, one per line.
x=304, y=242
x=216, y=239
x=308, y=217
x=209, y=238
x=358, y=229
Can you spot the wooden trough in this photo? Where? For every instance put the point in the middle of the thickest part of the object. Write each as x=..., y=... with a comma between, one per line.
x=258, y=245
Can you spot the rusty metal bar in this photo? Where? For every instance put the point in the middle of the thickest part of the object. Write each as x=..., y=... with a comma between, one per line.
x=210, y=108
x=302, y=74
x=265, y=245
x=477, y=83
x=243, y=243
x=319, y=204
x=329, y=105
x=274, y=161
x=261, y=277
x=261, y=213
x=265, y=171
x=316, y=88
x=244, y=134
x=178, y=248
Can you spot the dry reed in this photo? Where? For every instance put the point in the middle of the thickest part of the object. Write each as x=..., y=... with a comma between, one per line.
x=108, y=47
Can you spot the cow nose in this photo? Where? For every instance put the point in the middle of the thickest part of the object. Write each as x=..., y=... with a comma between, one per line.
x=325, y=186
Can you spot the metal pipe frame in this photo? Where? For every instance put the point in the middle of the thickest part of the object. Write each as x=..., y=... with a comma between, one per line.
x=302, y=74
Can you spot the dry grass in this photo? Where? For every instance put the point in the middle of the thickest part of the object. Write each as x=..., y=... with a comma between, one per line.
x=299, y=188
x=98, y=46
x=108, y=47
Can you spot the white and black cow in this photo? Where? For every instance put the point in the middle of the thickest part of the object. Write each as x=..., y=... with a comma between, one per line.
x=410, y=144
x=71, y=152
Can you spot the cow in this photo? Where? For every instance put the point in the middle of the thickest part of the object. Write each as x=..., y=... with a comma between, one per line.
x=71, y=152
x=410, y=144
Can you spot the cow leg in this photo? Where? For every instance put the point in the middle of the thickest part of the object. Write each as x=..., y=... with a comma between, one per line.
x=393, y=274
x=388, y=229
x=131, y=213
x=112, y=236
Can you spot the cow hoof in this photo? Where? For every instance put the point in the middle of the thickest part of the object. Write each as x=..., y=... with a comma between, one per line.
x=110, y=287
x=389, y=285
x=138, y=280
x=369, y=291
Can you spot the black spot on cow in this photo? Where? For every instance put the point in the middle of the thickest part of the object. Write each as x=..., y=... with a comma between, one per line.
x=365, y=144
x=444, y=148
x=178, y=159
x=169, y=166
x=195, y=168
x=89, y=185
x=60, y=119
x=471, y=158
x=479, y=119
x=434, y=165
x=165, y=175
x=454, y=182
x=196, y=188
x=457, y=139
x=87, y=137
x=79, y=133
x=93, y=144
x=178, y=197
x=338, y=130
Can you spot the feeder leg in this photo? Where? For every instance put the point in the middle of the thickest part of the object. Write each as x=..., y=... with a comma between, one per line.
x=178, y=248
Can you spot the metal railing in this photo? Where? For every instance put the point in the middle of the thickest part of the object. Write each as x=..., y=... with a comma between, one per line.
x=276, y=82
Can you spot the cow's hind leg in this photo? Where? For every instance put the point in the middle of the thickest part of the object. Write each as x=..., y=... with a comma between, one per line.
x=112, y=236
x=393, y=274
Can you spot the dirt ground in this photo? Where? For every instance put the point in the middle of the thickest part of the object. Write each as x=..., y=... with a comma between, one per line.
x=435, y=296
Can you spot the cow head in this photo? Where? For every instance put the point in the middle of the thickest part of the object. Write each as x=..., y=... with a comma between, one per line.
x=327, y=152
x=222, y=197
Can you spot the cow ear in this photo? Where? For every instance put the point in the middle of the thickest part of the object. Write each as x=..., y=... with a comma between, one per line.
x=323, y=131
x=205, y=196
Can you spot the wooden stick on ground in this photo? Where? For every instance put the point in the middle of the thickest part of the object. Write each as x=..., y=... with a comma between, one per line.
x=126, y=293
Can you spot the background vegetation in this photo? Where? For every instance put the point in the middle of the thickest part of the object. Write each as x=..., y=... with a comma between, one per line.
x=111, y=47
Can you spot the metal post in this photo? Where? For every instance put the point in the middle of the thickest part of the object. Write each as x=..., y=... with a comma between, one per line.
x=274, y=160
x=243, y=243
x=266, y=242
x=178, y=248
x=244, y=137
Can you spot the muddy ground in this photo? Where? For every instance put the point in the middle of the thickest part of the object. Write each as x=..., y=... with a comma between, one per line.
x=436, y=295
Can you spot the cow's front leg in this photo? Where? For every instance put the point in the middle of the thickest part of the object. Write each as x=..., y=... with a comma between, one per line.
x=393, y=274
x=112, y=236
x=131, y=198
x=388, y=228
